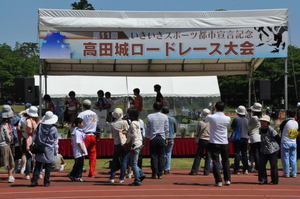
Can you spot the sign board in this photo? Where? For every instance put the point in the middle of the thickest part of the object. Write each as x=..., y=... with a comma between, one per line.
x=252, y=42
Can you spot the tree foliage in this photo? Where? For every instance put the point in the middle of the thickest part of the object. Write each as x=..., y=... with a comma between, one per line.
x=234, y=89
x=82, y=5
x=22, y=61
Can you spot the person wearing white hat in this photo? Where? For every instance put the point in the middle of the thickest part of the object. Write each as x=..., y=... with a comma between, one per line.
x=119, y=128
x=31, y=122
x=240, y=139
x=202, y=139
x=6, y=156
x=90, y=120
x=269, y=151
x=46, y=138
x=254, y=136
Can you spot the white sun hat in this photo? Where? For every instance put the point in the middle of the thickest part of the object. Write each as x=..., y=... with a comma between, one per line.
x=204, y=113
x=117, y=113
x=32, y=111
x=265, y=118
x=7, y=111
x=49, y=118
x=241, y=110
x=256, y=107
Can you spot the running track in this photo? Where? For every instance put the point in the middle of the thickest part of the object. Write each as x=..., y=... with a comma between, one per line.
x=176, y=185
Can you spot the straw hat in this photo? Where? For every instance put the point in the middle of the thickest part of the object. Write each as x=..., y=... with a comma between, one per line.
x=7, y=112
x=256, y=107
x=117, y=113
x=204, y=113
x=49, y=118
x=32, y=111
x=265, y=118
x=241, y=110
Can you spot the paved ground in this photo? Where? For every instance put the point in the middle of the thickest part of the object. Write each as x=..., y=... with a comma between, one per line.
x=176, y=185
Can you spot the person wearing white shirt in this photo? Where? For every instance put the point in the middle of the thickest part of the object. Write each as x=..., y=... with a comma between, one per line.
x=218, y=140
x=90, y=120
x=289, y=130
x=79, y=151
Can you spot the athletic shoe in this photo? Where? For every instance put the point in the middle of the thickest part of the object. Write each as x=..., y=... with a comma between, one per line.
x=129, y=175
x=78, y=180
x=135, y=184
x=294, y=176
x=34, y=184
x=111, y=181
x=22, y=170
x=142, y=178
x=11, y=179
x=219, y=184
x=71, y=177
x=273, y=183
x=227, y=183
x=27, y=177
x=262, y=182
x=121, y=181
x=246, y=172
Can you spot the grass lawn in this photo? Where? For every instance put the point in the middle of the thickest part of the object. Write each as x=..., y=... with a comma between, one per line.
x=177, y=163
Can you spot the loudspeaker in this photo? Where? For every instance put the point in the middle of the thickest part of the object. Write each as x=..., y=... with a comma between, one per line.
x=263, y=88
x=25, y=90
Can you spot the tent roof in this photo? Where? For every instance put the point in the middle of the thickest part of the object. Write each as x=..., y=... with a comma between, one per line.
x=83, y=19
x=171, y=86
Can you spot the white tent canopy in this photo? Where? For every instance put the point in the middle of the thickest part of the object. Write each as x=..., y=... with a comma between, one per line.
x=148, y=43
x=87, y=86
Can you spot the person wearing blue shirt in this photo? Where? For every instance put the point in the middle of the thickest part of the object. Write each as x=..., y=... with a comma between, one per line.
x=170, y=140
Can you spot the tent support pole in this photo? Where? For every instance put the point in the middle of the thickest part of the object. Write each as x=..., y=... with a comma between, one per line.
x=286, y=84
x=250, y=85
x=40, y=87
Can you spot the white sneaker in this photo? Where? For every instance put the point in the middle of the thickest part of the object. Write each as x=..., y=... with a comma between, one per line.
x=27, y=177
x=41, y=176
x=111, y=181
x=246, y=172
x=129, y=175
x=227, y=183
x=121, y=181
x=22, y=170
x=11, y=179
x=219, y=184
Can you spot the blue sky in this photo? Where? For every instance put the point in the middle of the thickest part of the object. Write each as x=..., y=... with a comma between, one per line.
x=18, y=18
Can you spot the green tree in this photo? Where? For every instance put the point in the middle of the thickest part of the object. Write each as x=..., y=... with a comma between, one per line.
x=234, y=89
x=22, y=61
x=82, y=5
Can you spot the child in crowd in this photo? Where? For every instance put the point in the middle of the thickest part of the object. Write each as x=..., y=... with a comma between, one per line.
x=269, y=151
x=79, y=150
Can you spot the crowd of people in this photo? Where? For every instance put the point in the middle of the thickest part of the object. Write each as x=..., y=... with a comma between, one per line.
x=250, y=130
x=32, y=143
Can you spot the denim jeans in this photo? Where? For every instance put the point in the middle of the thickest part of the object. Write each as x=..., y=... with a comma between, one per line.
x=116, y=161
x=202, y=152
x=134, y=156
x=168, y=155
x=289, y=158
x=241, y=153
